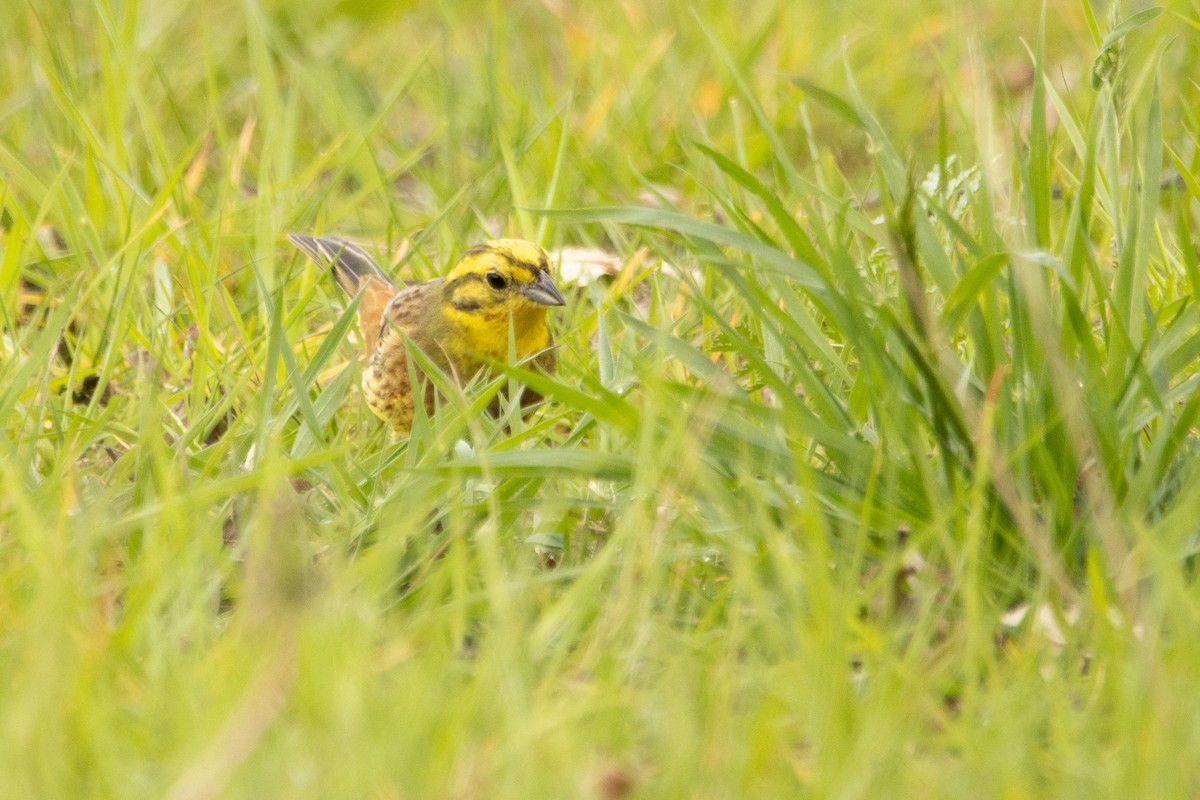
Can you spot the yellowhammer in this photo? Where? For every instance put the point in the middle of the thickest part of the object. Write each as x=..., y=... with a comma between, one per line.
x=459, y=321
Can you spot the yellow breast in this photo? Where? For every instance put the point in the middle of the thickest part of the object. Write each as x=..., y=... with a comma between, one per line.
x=470, y=336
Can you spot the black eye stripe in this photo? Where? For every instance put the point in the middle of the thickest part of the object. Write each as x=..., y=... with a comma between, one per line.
x=499, y=282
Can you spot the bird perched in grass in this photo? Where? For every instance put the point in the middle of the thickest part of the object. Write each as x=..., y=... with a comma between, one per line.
x=459, y=321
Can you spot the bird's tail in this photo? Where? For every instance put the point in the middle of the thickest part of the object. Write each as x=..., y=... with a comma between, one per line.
x=356, y=272
x=351, y=266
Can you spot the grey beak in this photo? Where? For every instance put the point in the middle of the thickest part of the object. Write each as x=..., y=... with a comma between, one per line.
x=544, y=291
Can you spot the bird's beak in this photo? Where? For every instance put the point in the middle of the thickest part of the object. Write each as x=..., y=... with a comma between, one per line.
x=544, y=291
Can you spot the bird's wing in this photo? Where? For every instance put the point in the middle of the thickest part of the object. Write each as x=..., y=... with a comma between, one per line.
x=386, y=381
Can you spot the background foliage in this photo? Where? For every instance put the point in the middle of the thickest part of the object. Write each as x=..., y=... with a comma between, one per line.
x=868, y=469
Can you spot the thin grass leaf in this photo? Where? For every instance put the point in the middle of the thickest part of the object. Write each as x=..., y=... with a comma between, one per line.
x=1130, y=24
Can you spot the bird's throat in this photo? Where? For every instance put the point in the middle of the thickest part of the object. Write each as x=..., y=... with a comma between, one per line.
x=486, y=333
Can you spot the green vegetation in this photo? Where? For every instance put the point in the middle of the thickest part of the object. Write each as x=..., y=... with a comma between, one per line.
x=868, y=473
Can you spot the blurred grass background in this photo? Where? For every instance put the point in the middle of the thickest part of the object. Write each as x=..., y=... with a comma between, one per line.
x=868, y=470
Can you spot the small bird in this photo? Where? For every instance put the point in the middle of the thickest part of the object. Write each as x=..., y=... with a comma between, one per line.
x=459, y=321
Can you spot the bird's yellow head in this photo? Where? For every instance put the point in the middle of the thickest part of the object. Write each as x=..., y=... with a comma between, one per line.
x=494, y=282
x=504, y=274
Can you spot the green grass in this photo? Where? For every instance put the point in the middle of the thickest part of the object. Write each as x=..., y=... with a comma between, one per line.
x=905, y=343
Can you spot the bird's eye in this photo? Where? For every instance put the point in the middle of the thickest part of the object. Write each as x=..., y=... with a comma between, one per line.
x=496, y=280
